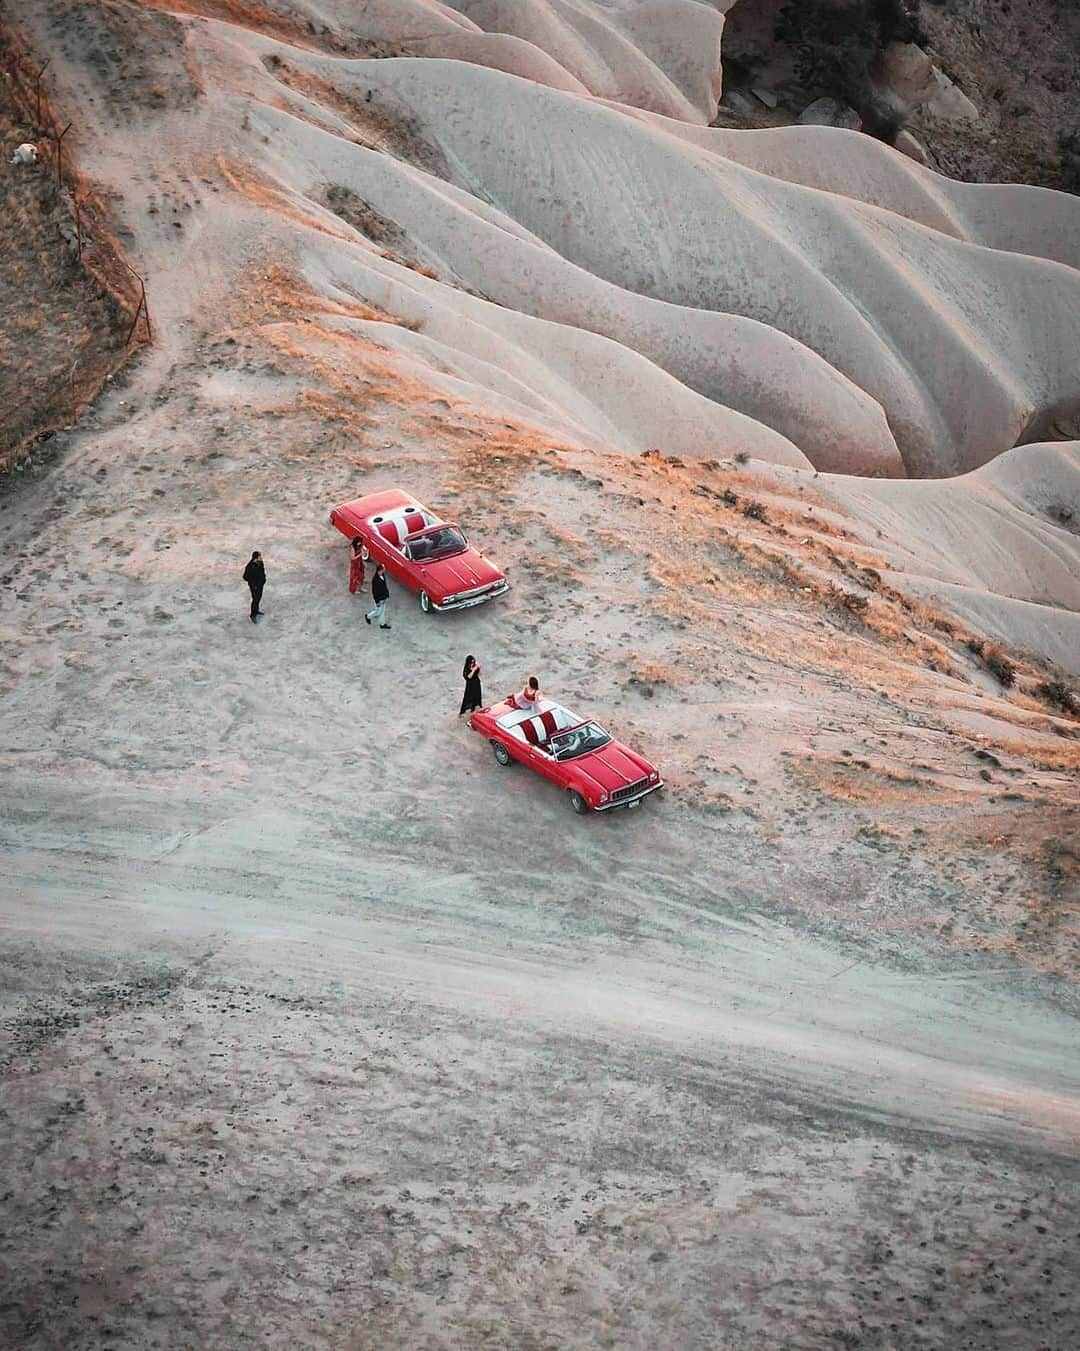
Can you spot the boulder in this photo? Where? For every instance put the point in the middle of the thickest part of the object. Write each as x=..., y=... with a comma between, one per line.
x=738, y=102
x=912, y=148
x=830, y=112
x=906, y=70
x=950, y=106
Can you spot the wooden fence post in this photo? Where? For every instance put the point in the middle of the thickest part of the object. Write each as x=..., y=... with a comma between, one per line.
x=37, y=90
x=60, y=153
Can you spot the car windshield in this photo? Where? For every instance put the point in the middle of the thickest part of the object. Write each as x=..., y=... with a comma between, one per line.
x=441, y=542
x=578, y=741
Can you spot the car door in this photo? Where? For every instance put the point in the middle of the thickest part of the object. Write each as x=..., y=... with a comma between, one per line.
x=545, y=764
x=382, y=551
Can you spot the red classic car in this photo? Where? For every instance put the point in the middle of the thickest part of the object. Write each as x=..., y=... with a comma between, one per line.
x=426, y=554
x=594, y=769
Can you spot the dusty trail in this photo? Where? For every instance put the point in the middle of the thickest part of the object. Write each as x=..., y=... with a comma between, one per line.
x=251, y=1061
x=653, y=952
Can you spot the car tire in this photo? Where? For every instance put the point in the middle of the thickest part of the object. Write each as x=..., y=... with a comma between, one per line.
x=578, y=802
x=425, y=602
x=502, y=754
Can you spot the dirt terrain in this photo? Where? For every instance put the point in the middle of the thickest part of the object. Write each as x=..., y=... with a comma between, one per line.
x=321, y=1029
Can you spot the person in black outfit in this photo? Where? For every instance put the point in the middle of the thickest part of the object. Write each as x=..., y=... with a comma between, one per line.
x=255, y=576
x=380, y=594
x=474, y=698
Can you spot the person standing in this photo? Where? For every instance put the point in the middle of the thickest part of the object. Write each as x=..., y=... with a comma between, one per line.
x=255, y=576
x=380, y=594
x=358, y=556
x=473, y=697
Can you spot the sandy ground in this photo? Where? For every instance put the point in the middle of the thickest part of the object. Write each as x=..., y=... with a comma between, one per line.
x=317, y=1028
x=320, y=1028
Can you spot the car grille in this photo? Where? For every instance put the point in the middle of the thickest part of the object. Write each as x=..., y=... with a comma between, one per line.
x=476, y=591
x=631, y=790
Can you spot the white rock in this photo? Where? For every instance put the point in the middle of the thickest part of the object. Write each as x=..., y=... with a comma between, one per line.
x=739, y=103
x=829, y=112
x=950, y=106
x=26, y=153
x=908, y=72
x=912, y=148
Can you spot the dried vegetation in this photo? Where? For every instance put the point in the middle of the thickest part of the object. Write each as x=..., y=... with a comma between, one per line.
x=64, y=320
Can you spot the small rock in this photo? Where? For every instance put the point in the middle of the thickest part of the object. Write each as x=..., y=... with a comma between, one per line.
x=739, y=103
x=765, y=96
x=830, y=112
x=950, y=106
x=907, y=72
x=911, y=147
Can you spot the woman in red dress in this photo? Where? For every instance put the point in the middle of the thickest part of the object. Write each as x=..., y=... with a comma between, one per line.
x=358, y=556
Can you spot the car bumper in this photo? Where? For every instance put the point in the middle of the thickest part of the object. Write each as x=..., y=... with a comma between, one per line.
x=631, y=801
x=465, y=602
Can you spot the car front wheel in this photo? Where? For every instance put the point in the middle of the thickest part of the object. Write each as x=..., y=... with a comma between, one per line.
x=578, y=802
x=501, y=753
x=425, y=602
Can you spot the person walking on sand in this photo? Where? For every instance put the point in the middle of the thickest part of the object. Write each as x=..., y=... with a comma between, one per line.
x=473, y=697
x=529, y=696
x=255, y=576
x=380, y=594
x=358, y=556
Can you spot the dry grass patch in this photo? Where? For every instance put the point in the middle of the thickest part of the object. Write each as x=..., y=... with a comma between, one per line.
x=63, y=323
x=391, y=131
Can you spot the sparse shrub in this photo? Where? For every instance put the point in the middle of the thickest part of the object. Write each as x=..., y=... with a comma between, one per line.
x=755, y=511
x=729, y=498
x=1059, y=695
x=999, y=666
x=741, y=457
x=976, y=646
x=849, y=600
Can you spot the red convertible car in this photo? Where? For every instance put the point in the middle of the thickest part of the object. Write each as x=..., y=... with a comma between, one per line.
x=594, y=769
x=424, y=553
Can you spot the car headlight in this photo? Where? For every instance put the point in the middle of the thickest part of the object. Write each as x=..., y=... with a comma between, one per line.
x=603, y=797
x=653, y=776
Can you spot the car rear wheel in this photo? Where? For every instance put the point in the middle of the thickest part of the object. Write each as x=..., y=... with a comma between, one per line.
x=425, y=602
x=578, y=802
x=501, y=753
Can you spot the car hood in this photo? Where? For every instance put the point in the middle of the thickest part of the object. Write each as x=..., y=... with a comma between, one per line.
x=461, y=572
x=611, y=767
